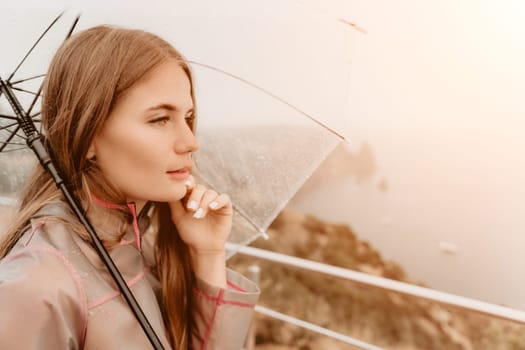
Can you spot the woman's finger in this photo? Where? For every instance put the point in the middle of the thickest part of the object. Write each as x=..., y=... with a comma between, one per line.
x=190, y=182
x=190, y=185
x=222, y=201
x=208, y=197
x=195, y=197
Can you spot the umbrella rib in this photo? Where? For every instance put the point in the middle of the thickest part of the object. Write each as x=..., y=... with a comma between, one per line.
x=15, y=144
x=10, y=117
x=4, y=144
x=24, y=90
x=239, y=210
x=71, y=29
x=5, y=116
x=3, y=127
x=15, y=149
x=34, y=45
x=27, y=79
x=35, y=99
x=250, y=221
x=268, y=93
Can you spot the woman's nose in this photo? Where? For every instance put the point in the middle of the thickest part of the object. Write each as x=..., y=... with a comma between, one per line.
x=186, y=142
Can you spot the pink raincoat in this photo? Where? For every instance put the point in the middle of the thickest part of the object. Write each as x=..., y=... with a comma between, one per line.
x=55, y=293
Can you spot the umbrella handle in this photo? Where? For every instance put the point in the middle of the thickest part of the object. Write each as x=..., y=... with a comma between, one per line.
x=34, y=141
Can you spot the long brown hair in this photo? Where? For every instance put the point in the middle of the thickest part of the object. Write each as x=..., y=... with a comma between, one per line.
x=87, y=75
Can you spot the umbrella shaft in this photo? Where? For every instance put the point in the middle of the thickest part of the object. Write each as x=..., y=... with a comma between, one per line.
x=36, y=144
x=34, y=140
x=115, y=273
x=23, y=119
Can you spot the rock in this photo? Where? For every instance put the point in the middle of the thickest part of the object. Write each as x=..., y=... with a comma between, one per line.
x=386, y=319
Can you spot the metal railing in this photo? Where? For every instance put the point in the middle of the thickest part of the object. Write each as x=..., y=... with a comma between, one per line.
x=375, y=281
x=486, y=308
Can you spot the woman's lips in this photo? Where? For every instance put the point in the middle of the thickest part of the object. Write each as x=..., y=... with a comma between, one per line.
x=180, y=174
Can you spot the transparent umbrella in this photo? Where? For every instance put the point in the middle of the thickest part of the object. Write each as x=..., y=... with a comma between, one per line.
x=255, y=146
x=22, y=84
x=260, y=158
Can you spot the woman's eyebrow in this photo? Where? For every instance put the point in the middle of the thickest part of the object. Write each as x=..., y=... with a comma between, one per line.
x=168, y=107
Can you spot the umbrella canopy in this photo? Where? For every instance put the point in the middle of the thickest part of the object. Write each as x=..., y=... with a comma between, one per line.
x=24, y=73
x=258, y=144
x=260, y=151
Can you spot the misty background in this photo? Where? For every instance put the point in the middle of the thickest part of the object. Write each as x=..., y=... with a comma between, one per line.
x=430, y=95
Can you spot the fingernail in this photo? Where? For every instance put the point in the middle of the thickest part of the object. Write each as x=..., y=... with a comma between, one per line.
x=192, y=205
x=188, y=183
x=198, y=213
x=214, y=205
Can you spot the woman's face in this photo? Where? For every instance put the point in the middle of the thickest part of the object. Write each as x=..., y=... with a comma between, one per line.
x=145, y=146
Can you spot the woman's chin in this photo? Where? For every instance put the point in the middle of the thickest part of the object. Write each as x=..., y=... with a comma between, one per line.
x=163, y=195
x=172, y=197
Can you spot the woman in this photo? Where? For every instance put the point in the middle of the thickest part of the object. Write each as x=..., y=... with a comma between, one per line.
x=119, y=112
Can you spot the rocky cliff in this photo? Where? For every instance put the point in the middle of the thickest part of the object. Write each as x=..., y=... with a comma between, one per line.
x=383, y=318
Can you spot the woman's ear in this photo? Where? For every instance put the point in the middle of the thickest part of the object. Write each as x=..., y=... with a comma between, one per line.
x=91, y=152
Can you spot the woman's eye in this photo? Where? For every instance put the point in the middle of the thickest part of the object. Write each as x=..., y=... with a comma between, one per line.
x=190, y=119
x=160, y=120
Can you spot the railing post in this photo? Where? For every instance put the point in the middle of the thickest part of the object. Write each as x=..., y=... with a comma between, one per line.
x=254, y=274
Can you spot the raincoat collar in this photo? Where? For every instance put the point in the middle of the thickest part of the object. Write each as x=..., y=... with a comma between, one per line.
x=133, y=210
x=140, y=221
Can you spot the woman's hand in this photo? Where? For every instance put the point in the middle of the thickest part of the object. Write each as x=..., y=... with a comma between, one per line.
x=204, y=220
